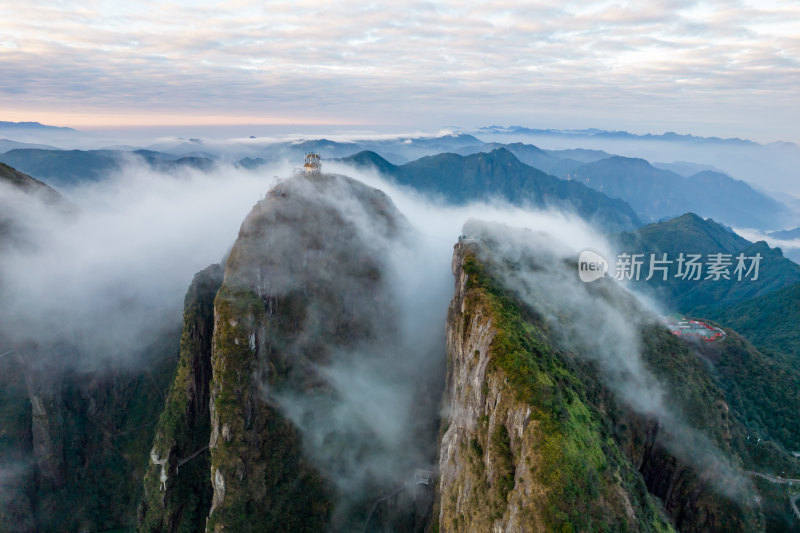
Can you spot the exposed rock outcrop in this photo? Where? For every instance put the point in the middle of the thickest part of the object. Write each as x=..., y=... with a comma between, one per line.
x=307, y=351
x=177, y=493
x=522, y=451
x=533, y=440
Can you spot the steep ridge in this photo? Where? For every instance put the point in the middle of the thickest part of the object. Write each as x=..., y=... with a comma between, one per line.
x=17, y=192
x=320, y=405
x=549, y=428
x=523, y=452
x=180, y=448
x=29, y=185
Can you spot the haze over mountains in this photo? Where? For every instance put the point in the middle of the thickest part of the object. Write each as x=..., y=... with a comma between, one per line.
x=658, y=194
x=770, y=167
x=346, y=362
x=498, y=174
x=66, y=168
x=653, y=190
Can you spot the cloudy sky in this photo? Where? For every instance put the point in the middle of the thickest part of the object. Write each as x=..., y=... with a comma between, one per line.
x=727, y=68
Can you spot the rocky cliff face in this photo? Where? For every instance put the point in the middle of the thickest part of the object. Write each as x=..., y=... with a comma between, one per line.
x=73, y=444
x=179, y=456
x=522, y=449
x=535, y=440
x=43, y=372
x=312, y=424
x=308, y=386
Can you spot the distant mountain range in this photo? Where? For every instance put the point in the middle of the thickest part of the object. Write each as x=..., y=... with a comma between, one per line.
x=397, y=150
x=31, y=125
x=768, y=167
x=8, y=145
x=786, y=234
x=498, y=174
x=655, y=193
x=42, y=134
x=598, y=133
x=558, y=163
x=685, y=168
x=64, y=168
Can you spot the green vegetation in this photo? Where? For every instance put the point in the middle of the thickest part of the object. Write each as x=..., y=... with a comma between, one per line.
x=106, y=444
x=184, y=425
x=502, y=449
x=759, y=385
x=763, y=391
x=690, y=234
x=769, y=321
x=581, y=465
x=277, y=488
x=588, y=441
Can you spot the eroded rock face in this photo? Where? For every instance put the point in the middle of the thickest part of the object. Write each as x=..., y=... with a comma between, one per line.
x=312, y=395
x=533, y=441
x=43, y=377
x=177, y=493
x=535, y=430
x=485, y=483
x=493, y=458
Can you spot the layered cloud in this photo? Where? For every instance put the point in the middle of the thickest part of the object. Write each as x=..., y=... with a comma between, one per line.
x=675, y=62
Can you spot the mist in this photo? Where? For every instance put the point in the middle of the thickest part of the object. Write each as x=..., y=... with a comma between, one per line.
x=770, y=168
x=601, y=326
x=789, y=247
x=113, y=275
x=369, y=412
x=602, y=323
x=95, y=286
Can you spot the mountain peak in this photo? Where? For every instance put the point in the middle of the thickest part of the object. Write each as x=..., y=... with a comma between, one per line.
x=696, y=234
x=370, y=159
x=504, y=154
x=32, y=125
x=30, y=185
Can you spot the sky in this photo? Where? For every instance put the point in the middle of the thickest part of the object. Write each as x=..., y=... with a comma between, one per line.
x=727, y=68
